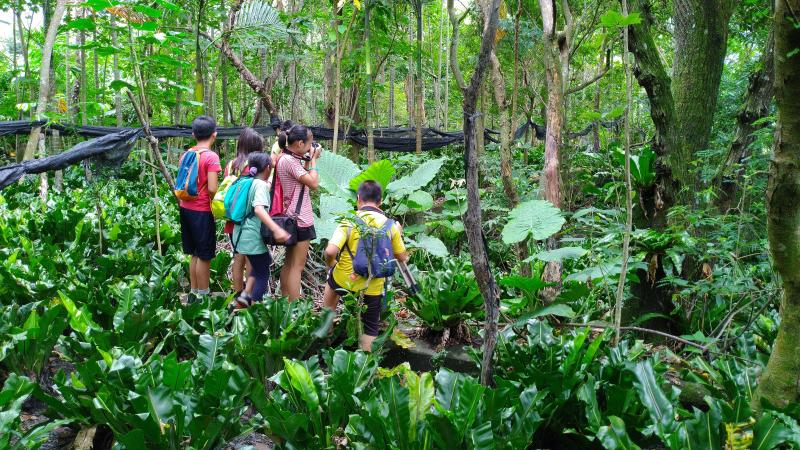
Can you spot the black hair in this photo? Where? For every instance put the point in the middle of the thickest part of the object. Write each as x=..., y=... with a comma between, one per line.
x=259, y=161
x=370, y=191
x=249, y=141
x=285, y=126
x=203, y=127
x=297, y=133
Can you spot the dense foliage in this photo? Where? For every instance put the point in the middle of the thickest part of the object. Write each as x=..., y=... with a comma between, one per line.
x=94, y=338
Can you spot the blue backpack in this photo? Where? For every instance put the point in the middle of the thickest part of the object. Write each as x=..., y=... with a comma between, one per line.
x=376, y=242
x=237, y=206
x=186, y=183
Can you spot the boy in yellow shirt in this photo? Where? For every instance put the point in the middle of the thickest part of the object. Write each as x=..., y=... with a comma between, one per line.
x=339, y=259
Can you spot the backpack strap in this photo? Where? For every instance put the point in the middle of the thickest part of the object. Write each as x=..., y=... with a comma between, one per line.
x=302, y=189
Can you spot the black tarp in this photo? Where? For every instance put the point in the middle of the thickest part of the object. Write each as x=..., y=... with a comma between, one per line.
x=113, y=144
x=110, y=148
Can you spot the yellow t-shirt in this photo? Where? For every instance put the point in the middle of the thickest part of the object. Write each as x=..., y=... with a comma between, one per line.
x=343, y=271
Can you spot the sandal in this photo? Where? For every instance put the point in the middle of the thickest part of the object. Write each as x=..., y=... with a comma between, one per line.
x=241, y=302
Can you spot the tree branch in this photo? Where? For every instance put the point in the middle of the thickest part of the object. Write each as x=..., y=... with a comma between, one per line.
x=454, y=47
x=594, y=79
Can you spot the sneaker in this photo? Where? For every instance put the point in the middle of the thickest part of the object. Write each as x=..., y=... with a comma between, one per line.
x=192, y=298
x=241, y=302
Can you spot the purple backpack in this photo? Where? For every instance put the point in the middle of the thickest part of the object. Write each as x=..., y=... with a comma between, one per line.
x=377, y=243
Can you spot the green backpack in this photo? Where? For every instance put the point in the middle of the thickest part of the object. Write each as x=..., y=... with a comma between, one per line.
x=237, y=208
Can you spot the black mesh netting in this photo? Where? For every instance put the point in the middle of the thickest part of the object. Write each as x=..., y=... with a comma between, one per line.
x=113, y=144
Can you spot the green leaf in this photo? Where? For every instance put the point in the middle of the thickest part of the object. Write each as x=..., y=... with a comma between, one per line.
x=529, y=285
x=430, y=244
x=482, y=438
x=615, y=437
x=335, y=173
x=633, y=18
x=148, y=11
x=769, y=433
x=560, y=254
x=381, y=171
x=558, y=309
x=145, y=26
x=654, y=399
x=418, y=179
x=170, y=6
x=538, y=219
x=98, y=5
x=611, y=19
x=420, y=201
x=120, y=84
x=210, y=350
x=703, y=429
x=82, y=24
x=421, y=395
x=301, y=382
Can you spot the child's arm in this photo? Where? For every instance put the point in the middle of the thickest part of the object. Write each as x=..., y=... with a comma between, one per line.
x=213, y=184
x=280, y=234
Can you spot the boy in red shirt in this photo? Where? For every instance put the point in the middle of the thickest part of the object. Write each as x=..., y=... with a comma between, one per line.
x=198, y=230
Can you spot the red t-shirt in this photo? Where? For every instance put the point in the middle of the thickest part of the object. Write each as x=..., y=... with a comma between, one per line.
x=208, y=162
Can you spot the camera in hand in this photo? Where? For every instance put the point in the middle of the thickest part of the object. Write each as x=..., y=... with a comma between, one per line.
x=314, y=148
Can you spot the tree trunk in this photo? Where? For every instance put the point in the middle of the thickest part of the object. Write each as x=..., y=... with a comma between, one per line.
x=682, y=109
x=756, y=106
x=701, y=41
x=780, y=381
x=556, y=60
x=506, y=130
x=117, y=95
x=391, y=95
x=44, y=77
x=419, y=102
x=199, y=83
x=472, y=218
x=368, y=81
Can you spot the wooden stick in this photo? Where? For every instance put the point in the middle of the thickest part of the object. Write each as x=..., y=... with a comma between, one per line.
x=639, y=329
x=152, y=141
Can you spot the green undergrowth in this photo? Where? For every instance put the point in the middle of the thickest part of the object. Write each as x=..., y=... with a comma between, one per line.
x=82, y=282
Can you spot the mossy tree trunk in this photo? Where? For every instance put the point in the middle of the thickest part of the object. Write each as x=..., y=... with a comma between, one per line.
x=682, y=109
x=780, y=382
x=754, y=108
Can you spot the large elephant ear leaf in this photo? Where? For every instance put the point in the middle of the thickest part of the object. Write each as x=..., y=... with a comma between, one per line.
x=335, y=172
x=538, y=219
x=418, y=179
x=381, y=171
x=331, y=208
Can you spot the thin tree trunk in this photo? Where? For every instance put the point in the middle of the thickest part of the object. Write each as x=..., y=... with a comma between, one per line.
x=472, y=218
x=556, y=58
x=391, y=95
x=755, y=107
x=368, y=81
x=409, y=83
x=58, y=147
x=199, y=82
x=780, y=381
x=626, y=238
x=117, y=95
x=447, y=85
x=44, y=77
x=438, y=84
x=420, y=89
x=506, y=131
